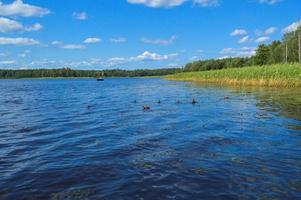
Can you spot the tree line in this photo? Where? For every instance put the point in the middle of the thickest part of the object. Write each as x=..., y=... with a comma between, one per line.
x=279, y=51
x=67, y=72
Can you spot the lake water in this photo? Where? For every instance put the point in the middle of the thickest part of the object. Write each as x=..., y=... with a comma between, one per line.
x=83, y=139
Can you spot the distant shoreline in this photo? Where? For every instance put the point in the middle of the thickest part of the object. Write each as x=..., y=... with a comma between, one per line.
x=280, y=75
x=53, y=78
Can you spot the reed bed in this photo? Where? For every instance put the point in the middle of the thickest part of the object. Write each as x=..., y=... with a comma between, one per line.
x=280, y=75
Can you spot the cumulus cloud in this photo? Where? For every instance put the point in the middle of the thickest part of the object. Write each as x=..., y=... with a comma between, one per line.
x=110, y=62
x=271, y=2
x=262, y=39
x=143, y=57
x=268, y=31
x=207, y=3
x=244, y=39
x=92, y=40
x=73, y=46
x=18, y=41
x=67, y=46
x=56, y=43
x=12, y=26
x=239, y=32
x=238, y=52
x=169, y=41
x=118, y=40
x=80, y=15
x=18, y=8
x=173, y=3
x=292, y=27
x=149, y=56
x=8, y=62
x=158, y=3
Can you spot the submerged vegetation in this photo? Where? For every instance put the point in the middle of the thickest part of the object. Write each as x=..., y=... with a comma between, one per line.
x=70, y=73
x=280, y=75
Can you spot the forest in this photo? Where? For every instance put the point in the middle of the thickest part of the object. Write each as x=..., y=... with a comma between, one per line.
x=282, y=51
x=67, y=72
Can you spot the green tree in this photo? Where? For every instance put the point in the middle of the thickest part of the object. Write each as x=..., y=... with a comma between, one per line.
x=262, y=55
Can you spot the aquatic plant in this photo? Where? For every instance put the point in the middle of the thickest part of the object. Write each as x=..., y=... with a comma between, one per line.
x=280, y=75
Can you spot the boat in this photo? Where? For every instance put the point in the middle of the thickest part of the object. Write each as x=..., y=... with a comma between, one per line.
x=101, y=78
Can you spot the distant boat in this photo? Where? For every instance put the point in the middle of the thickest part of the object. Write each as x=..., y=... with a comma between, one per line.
x=101, y=78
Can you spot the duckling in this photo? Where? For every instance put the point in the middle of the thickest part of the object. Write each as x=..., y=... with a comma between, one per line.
x=194, y=101
x=146, y=108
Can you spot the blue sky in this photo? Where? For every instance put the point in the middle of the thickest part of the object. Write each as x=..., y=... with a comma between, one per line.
x=130, y=34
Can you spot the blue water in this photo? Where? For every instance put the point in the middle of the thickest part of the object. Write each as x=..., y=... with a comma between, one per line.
x=83, y=139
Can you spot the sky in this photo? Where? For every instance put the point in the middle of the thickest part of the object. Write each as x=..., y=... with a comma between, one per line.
x=137, y=34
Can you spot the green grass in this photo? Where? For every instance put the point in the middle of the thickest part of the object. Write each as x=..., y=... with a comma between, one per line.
x=280, y=75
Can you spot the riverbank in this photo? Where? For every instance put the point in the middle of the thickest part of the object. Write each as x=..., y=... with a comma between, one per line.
x=280, y=75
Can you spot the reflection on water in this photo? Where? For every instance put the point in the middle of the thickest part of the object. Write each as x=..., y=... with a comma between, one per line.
x=81, y=139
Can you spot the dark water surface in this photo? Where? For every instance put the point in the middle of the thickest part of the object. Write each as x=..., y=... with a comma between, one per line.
x=82, y=139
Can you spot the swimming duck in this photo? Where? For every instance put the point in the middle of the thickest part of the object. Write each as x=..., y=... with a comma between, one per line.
x=194, y=101
x=146, y=108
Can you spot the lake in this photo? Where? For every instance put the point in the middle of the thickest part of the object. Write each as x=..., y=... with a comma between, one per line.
x=83, y=139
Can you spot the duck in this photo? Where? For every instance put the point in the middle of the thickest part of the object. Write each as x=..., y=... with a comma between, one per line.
x=146, y=108
x=194, y=101
x=159, y=101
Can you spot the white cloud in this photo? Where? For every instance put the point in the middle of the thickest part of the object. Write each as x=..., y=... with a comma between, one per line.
x=271, y=2
x=239, y=52
x=67, y=46
x=244, y=39
x=12, y=26
x=115, y=61
x=158, y=3
x=262, y=39
x=56, y=43
x=149, y=56
x=35, y=27
x=80, y=15
x=118, y=40
x=8, y=62
x=18, y=41
x=24, y=53
x=227, y=51
x=73, y=46
x=173, y=3
x=110, y=62
x=18, y=8
x=292, y=27
x=92, y=40
x=268, y=31
x=239, y=32
x=169, y=41
x=207, y=3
